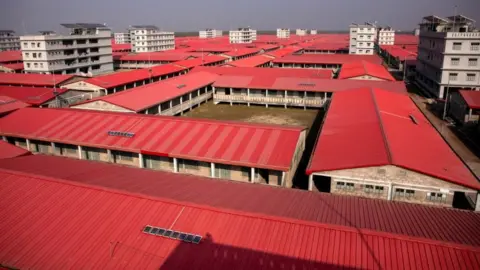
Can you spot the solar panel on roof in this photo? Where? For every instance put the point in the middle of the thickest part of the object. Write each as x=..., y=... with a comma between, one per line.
x=147, y=229
x=120, y=133
x=306, y=84
x=180, y=86
x=160, y=232
x=185, y=237
x=197, y=239
x=175, y=235
x=154, y=230
x=168, y=233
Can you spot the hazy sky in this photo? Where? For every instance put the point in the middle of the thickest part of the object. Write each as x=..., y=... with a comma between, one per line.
x=29, y=16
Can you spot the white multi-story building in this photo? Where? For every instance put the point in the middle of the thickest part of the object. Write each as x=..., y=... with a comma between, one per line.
x=448, y=55
x=148, y=38
x=122, y=38
x=313, y=32
x=86, y=50
x=362, y=38
x=386, y=36
x=301, y=32
x=243, y=35
x=416, y=32
x=9, y=41
x=210, y=33
x=283, y=33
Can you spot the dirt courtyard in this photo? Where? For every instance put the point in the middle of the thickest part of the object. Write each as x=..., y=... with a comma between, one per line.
x=255, y=114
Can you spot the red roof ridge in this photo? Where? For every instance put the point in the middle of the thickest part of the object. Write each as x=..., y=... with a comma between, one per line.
x=335, y=227
x=380, y=121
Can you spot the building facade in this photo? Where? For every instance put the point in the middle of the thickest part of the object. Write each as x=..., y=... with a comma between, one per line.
x=301, y=32
x=210, y=33
x=313, y=32
x=148, y=38
x=122, y=38
x=386, y=36
x=87, y=51
x=243, y=35
x=362, y=38
x=283, y=33
x=448, y=55
x=9, y=41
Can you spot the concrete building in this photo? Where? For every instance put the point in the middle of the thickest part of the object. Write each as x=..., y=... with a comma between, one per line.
x=362, y=38
x=448, y=55
x=168, y=97
x=148, y=38
x=255, y=153
x=9, y=41
x=313, y=32
x=86, y=50
x=242, y=35
x=122, y=38
x=393, y=152
x=283, y=33
x=210, y=33
x=416, y=31
x=464, y=107
x=386, y=36
x=301, y=32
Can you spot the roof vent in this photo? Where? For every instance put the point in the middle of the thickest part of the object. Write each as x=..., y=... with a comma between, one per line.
x=166, y=233
x=181, y=86
x=120, y=133
x=414, y=120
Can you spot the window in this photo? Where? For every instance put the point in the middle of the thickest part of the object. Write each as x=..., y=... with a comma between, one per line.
x=373, y=189
x=245, y=172
x=32, y=44
x=455, y=61
x=475, y=46
x=188, y=164
x=345, y=186
x=368, y=43
x=471, y=77
x=457, y=46
x=404, y=192
x=436, y=197
x=123, y=156
x=472, y=62
x=35, y=64
x=223, y=171
x=367, y=51
x=452, y=76
x=27, y=55
x=38, y=45
x=28, y=65
x=41, y=65
x=66, y=149
x=34, y=55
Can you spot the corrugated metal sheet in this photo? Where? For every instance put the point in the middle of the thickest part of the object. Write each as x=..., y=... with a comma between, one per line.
x=8, y=104
x=33, y=79
x=237, y=52
x=47, y=224
x=122, y=78
x=121, y=47
x=472, y=98
x=143, y=97
x=9, y=151
x=237, y=143
x=31, y=95
x=155, y=56
x=10, y=56
x=284, y=51
x=412, y=220
x=304, y=84
x=327, y=59
x=361, y=68
x=210, y=59
x=266, y=72
x=253, y=61
x=376, y=127
x=15, y=66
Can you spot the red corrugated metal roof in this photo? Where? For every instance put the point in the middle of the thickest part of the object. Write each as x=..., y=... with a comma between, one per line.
x=361, y=68
x=15, y=66
x=210, y=59
x=8, y=104
x=376, y=128
x=253, y=61
x=304, y=84
x=122, y=78
x=472, y=98
x=242, y=52
x=121, y=47
x=33, y=79
x=399, y=52
x=406, y=39
x=284, y=51
x=328, y=59
x=70, y=225
x=10, y=56
x=236, y=143
x=413, y=220
x=155, y=56
x=31, y=95
x=325, y=46
x=146, y=96
x=10, y=151
x=266, y=72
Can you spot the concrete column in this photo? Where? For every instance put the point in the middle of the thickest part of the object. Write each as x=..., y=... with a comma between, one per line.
x=140, y=160
x=283, y=179
x=146, y=111
x=28, y=145
x=53, y=147
x=252, y=175
x=285, y=98
x=390, y=192
x=159, y=109
x=212, y=170
x=477, y=203
x=248, y=97
x=114, y=90
x=175, y=165
x=266, y=97
x=470, y=115
x=110, y=157
x=125, y=87
x=4, y=138
x=80, y=152
x=310, y=182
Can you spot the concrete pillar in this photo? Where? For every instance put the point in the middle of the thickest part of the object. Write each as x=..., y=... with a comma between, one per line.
x=28, y=145
x=266, y=97
x=175, y=165
x=80, y=152
x=212, y=170
x=140, y=160
x=477, y=203
x=114, y=90
x=310, y=182
x=110, y=157
x=190, y=103
x=248, y=97
x=252, y=175
x=4, y=138
x=390, y=192
x=283, y=179
x=53, y=147
x=159, y=109
x=125, y=87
